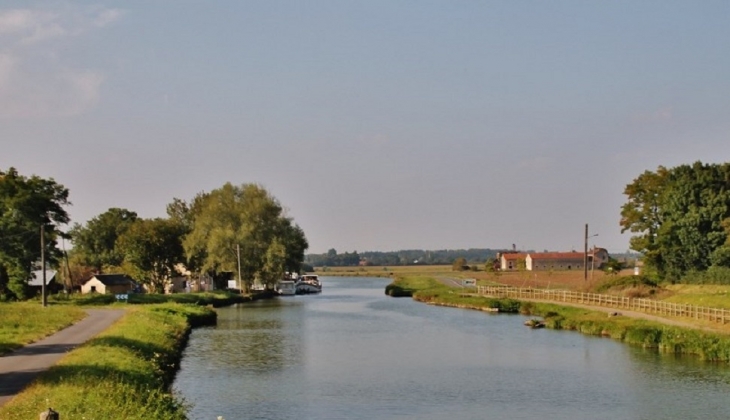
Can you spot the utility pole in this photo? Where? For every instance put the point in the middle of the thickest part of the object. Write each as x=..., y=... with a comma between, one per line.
x=238, y=253
x=44, y=298
x=585, y=256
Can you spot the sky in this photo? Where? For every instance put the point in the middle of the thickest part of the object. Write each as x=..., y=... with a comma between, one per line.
x=378, y=125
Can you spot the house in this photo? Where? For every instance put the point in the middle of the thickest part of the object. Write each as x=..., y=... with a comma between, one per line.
x=35, y=283
x=534, y=261
x=509, y=261
x=554, y=261
x=109, y=283
x=190, y=281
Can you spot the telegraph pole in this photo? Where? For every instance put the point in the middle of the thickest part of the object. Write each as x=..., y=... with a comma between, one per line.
x=44, y=298
x=585, y=256
x=238, y=253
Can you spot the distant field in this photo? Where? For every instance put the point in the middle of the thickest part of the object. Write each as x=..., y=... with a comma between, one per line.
x=568, y=279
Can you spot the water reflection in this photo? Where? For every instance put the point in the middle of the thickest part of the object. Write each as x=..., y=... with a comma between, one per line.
x=354, y=353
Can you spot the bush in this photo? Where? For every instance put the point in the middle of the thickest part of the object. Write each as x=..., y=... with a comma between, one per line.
x=625, y=282
x=713, y=275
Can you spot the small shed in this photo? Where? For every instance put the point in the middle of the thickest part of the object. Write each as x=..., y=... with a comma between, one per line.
x=109, y=283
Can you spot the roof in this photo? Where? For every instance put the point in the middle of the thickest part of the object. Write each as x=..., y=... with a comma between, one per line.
x=113, y=279
x=36, y=277
x=514, y=256
x=557, y=255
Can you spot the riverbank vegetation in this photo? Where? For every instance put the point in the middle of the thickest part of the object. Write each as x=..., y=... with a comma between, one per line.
x=125, y=372
x=22, y=323
x=705, y=345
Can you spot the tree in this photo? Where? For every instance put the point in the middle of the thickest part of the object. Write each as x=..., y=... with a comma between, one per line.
x=26, y=205
x=96, y=243
x=459, y=264
x=642, y=213
x=678, y=214
x=151, y=249
x=245, y=219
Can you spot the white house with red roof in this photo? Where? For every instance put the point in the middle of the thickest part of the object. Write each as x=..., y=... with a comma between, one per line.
x=534, y=261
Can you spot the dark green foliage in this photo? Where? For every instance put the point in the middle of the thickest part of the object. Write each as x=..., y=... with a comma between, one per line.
x=26, y=204
x=681, y=217
x=395, y=290
x=713, y=275
x=95, y=244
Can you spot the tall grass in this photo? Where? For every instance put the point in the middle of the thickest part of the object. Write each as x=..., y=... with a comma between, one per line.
x=22, y=323
x=124, y=373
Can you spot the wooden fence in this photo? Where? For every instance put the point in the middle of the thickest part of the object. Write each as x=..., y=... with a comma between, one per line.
x=619, y=302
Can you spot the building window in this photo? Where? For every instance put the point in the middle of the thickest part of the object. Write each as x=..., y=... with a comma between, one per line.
x=93, y=289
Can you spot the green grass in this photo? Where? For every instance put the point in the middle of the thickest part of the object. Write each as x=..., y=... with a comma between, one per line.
x=713, y=296
x=216, y=299
x=22, y=323
x=124, y=373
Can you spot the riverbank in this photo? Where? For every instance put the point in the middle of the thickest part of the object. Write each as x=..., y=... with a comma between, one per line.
x=649, y=334
x=124, y=372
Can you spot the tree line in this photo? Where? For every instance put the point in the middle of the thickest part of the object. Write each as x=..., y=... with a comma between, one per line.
x=404, y=257
x=208, y=234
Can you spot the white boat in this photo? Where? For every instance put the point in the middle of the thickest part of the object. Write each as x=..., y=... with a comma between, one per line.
x=308, y=283
x=286, y=287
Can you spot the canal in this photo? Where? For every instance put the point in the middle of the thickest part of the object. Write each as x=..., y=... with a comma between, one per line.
x=354, y=353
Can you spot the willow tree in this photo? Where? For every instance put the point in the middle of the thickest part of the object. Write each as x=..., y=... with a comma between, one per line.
x=243, y=222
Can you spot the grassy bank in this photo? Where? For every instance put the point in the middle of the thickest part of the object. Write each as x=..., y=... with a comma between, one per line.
x=707, y=346
x=125, y=372
x=216, y=299
x=22, y=323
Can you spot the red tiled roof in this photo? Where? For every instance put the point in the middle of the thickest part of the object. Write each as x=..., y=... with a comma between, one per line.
x=557, y=255
x=514, y=256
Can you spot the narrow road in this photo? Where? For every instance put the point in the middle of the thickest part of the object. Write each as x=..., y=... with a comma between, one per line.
x=18, y=369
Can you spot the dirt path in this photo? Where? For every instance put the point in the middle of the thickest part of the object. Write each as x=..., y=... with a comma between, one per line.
x=633, y=314
x=18, y=369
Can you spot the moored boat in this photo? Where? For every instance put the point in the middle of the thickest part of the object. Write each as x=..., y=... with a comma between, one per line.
x=308, y=283
x=286, y=287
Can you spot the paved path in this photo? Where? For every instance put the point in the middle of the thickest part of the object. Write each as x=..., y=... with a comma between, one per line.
x=18, y=369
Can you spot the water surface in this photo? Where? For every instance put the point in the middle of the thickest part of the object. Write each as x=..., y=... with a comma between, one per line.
x=354, y=353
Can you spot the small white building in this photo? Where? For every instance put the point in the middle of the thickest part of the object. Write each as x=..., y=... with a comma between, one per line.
x=109, y=283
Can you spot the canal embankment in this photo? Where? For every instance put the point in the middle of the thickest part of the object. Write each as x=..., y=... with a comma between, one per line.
x=631, y=330
x=124, y=372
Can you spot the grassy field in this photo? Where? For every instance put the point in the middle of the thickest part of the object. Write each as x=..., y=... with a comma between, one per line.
x=124, y=373
x=565, y=279
x=22, y=323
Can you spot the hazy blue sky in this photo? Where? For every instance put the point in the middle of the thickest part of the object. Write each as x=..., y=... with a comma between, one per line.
x=380, y=125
